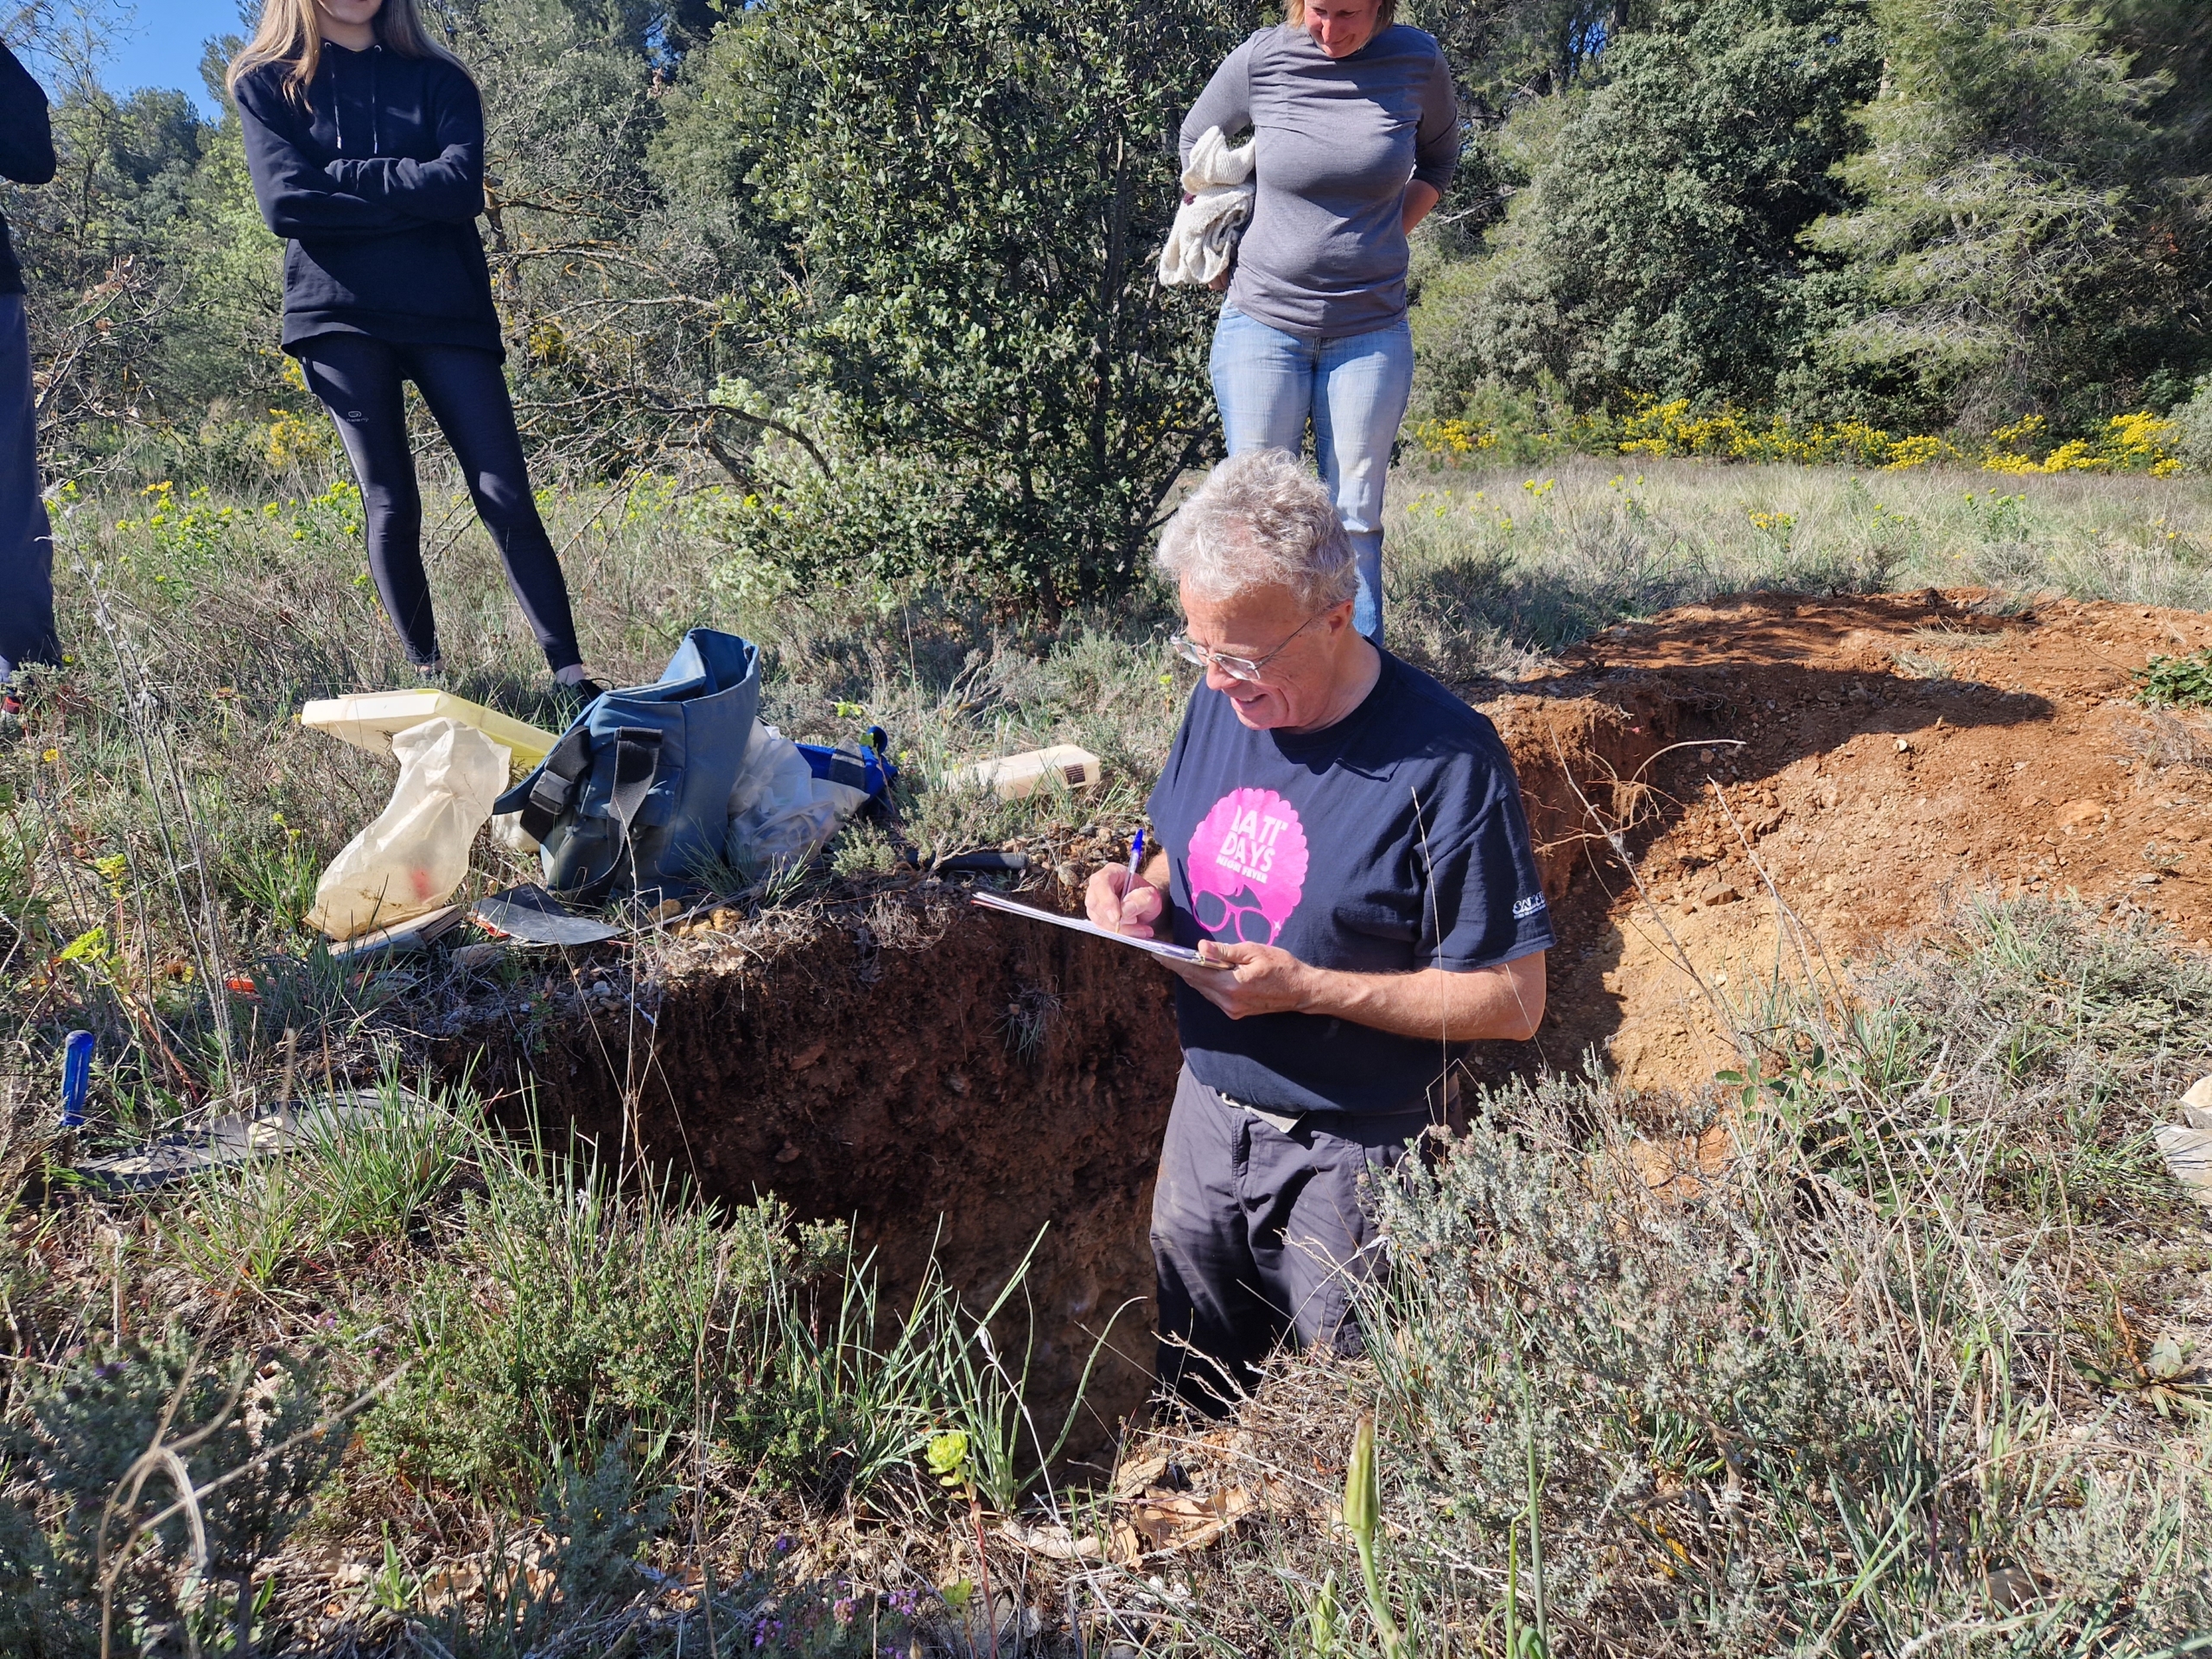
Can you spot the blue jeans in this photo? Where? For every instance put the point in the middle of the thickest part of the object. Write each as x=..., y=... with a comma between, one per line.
x=26, y=538
x=1269, y=384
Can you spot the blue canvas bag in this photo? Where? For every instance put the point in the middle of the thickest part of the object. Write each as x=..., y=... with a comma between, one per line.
x=636, y=793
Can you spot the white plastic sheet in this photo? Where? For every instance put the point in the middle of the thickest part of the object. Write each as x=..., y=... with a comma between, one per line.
x=412, y=857
x=779, y=812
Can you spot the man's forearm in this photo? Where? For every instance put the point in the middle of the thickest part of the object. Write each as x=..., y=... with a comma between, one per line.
x=1488, y=1004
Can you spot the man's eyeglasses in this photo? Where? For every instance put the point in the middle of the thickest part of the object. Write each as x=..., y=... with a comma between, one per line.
x=1237, y=667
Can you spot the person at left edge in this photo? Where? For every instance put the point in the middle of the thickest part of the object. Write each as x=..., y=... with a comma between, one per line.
x=365, y=141
x=27, y=633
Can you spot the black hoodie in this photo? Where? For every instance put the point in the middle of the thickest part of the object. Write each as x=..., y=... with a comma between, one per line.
x=377, y=183
x=26, y=148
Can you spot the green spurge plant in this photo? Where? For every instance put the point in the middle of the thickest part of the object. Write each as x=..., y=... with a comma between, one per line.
x=2175, y=681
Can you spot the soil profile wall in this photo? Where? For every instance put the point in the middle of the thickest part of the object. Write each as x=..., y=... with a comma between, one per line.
x=946, y=1079
x=938, y=1077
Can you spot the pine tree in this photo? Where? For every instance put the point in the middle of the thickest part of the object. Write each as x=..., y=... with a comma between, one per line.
x=2025, y=240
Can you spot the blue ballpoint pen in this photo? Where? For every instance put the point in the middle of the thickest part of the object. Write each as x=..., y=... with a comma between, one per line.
x=1136, y=851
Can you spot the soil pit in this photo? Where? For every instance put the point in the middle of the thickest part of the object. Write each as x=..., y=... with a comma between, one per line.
x=952, y=1082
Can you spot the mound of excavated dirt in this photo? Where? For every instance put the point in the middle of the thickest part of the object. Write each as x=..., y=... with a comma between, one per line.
x=1858, y=761
x=951, y=1081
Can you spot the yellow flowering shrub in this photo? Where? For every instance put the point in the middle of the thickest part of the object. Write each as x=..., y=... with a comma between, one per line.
x=1454, y=438
x=291, y=442
x=2141, y=443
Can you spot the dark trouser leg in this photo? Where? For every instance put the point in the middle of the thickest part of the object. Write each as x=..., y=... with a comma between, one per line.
x=26, y=538
x=360, y=381
x=1313, y=1241
x=1258, y=1234
x=467, y=390
x=1214, y=1326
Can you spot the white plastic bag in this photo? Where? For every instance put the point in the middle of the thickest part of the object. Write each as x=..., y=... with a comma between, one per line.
x=412, y=857
x=507, y=832
x=779, y=812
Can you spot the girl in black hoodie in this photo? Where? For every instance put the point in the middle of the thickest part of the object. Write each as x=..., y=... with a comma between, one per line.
x=365, y=140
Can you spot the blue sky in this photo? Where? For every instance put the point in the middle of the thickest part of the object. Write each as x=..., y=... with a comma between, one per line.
x=158, y=43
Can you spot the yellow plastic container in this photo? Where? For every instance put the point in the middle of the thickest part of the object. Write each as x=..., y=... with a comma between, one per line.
x=368, y=718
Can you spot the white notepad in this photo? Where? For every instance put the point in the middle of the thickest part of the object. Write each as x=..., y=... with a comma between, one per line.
x=1158, y=948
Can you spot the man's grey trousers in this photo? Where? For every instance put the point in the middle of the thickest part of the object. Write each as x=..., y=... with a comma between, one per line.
x=26, y=538
x=1257, y=1234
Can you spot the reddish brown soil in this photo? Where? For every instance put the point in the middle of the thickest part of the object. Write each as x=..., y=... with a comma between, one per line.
x=1862, y=798
x=861, y=1064
x=862, y=1069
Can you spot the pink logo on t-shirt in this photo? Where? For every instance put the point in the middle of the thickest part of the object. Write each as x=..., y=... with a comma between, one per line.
x=1247, y=866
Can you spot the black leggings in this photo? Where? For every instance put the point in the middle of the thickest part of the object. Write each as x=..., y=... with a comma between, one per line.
x=359, y=380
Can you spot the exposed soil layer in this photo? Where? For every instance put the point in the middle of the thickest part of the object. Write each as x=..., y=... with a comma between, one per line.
x=946, y=1079
x=870, y=1067
x=1876, y=757
x=951, y=1081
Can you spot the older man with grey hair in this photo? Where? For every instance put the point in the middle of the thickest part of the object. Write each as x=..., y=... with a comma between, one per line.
x=1342, y=841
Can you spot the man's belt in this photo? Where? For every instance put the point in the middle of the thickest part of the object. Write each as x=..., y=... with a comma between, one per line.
x=1436, y=1104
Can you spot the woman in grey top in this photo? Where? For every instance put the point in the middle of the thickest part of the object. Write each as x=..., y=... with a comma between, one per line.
x=1358, y=136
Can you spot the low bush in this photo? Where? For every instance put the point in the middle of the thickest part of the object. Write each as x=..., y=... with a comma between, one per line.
x=1499, y=427
x=116, y=1437
x=564, y=1312
x=1892, y=1347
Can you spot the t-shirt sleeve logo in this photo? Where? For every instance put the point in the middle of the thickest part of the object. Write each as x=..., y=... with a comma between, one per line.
x=1246, y=866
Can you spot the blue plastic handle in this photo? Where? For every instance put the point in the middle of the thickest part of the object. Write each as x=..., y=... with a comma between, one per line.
x=76, y=1077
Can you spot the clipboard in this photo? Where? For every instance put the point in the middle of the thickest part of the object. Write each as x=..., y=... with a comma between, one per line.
x=1165, y=952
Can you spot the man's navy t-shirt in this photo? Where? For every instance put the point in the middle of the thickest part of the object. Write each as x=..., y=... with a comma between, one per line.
x=1392, y=841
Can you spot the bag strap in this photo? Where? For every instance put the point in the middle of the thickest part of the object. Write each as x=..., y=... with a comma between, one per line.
x=637, y=762
x=553, y=791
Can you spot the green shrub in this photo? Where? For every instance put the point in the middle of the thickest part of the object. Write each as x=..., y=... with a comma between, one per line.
x=1633, y=1349
x=2175, y=681
x=250, y=1437
x=566, y=1313
x=1652, y=250
x=2192, y=420
x=1000, y=393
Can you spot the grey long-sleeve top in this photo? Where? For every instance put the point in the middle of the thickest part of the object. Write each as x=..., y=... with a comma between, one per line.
x=1324, y=255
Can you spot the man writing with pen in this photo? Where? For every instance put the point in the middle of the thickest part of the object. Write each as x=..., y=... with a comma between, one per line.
x=1343, y=841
